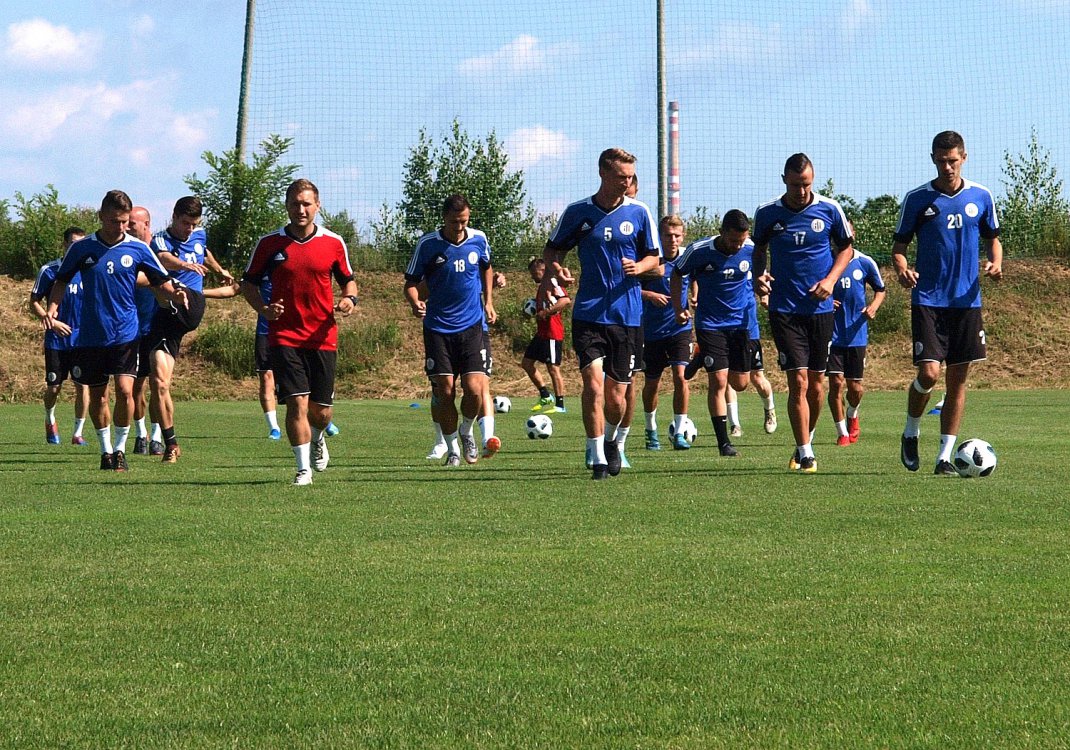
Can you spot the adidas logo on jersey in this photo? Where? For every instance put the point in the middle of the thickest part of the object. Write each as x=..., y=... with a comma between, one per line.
x=778, y=227
x=930, y=212
x=279, y=258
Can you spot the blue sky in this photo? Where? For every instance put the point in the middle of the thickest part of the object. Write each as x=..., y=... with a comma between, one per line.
x=117, y=93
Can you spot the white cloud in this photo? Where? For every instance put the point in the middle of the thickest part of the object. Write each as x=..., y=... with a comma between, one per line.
x=530, y=146
x=734, y=43
x=525, y=54
x=38, y=44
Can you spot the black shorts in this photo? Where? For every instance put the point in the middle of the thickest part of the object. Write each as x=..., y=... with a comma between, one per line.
x=618, y=347
x=58, y=363
x=261, y=353
x=640, y=352
x=757, y=355
x=93, y=365
x=547, y=351
x=459, y=353
x=490, y=354
x=170, y=324
x=802, y=341
x=667, y=352
x=953, y=335
x=849, y=361
x=303, y=372
x=725, y=349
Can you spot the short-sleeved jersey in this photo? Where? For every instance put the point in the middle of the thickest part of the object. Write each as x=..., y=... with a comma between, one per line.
x=109, y=281
x=553, y=327
x=850, y=326
x=190, y=251
x=724, y=283
x=70, y=307
x=454, y=276
x=802, y=248
x=301, y=274
x=603, y=240
x=660, y=322
x=949, y=229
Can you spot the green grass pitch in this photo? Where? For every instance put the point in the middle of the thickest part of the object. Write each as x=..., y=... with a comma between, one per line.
x=693, y=602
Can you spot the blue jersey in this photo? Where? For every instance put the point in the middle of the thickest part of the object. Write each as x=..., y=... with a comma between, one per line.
x=660, y=322
x=109, y=277
x=454, y=275
x=948, y=228
x=753, y=331
x=146, y=309
x=70, y=307
x=190, y=251
x=802, y=248
x=851, y=327
x=724, y=283
x=603, y=240
x=265, y=297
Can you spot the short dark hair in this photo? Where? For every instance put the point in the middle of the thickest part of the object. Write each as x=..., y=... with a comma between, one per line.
x=797, y=163
x=611, y=155
x=299, y=186
x=190, y=206
x=116, y=200
x=454, y=204
x=948, y=140
x=535, y=262
x=735, y=221
x=69, y=233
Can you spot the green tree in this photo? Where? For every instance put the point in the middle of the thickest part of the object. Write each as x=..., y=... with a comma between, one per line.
x=243, y=201
x=1034, y=215
x=477, y=168
x=36, y=235
x=702, y=223
x=874, y=226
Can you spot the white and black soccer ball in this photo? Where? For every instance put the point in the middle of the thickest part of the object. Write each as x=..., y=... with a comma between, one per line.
x=529, y=307
x=687, y=429
x=539, y=427
x=974, y=458
x=502, y=404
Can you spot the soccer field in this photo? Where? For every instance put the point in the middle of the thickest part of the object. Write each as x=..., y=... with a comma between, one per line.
x=693, y=602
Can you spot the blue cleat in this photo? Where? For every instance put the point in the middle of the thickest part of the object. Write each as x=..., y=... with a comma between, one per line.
x=332, y=429
x=275, y=434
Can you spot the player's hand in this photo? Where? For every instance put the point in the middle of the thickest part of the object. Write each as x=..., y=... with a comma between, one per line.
x=197, y=268
x=180, y=298
x=658, y=300
x=564, y=276
x=419, y=308
x=908, y=278
x=491, y=313
x=628, y=265
x=227, y=276
x=499, y=280
x=836, y=305
x=763, y=284
x=57, y=326
x=273, y=311
x=869, y=313
x=682, y=316
x=822, y=290
x=993, y=271
x=345, y=306
x=546, y=289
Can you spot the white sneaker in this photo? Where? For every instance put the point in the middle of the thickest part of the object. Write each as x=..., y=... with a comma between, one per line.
x=736, y=431
x=770, y=421
x=320, y=455
x=303, y=477
x=469, y=449
x=452, y=460
x=438, y=452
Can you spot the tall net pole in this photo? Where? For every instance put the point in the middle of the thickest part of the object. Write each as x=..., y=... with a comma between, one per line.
x=674, y=158
x=663, y=156
x=246, y=77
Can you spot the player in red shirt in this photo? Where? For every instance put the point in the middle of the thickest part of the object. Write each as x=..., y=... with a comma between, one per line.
x=301, y=259
x=545, y=346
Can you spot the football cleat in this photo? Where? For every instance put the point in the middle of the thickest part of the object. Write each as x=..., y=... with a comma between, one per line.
x=492, y=446
x=808, y=465
x=853, y=429
x=624, y=463
x=141, y=446
x=545, y=403
x=793, y=462
x=600, y=471
x=107, y=462
x=588, y=457
x=770, y=421
x=728, y=450
x=171, y=454
x=468, y=449
x=332, y=429
x=320, y=455
x=438, y=452
x=679, y=442
x=51, y=434
x=843, y=440
x=560, y=410
x=118, y=461
x=303, y=477
x=155, y=448
x=652, y=442
x=612, y=458
x=275, y=434
x=77, y=440
x=945, y=469
x=908, y=453
x=452, y=460
x=735, y=431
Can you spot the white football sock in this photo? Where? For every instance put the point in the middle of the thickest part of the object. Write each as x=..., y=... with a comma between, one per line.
x=303, y=456
x=651, y=420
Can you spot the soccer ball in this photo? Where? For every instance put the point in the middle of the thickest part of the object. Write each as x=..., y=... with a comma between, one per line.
x=539, y=426
x=974, y=458
x=529, y=307
x=687, y=429
x=502, y=404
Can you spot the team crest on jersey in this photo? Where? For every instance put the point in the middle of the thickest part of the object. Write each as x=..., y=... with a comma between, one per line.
x=818, y=225
x=473, y=258
x=858, y=274
x=626, y=228
x=744, y=266
x=126, y=261
x=198, y=248
x=971, y=210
